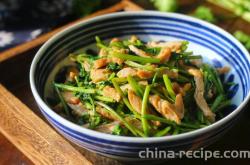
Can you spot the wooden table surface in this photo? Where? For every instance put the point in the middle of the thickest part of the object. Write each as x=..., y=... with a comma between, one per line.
x=238, y=138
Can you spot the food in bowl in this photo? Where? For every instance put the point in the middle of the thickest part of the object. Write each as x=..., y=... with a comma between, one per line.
x=136, y=88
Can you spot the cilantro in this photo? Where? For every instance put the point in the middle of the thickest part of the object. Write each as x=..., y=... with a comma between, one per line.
x=118, y=130
x=105, y=83
x=83, y=119
x=117, y=44
x=94, y=121
x=83, y=79
x=153, y=51
x=114, y=66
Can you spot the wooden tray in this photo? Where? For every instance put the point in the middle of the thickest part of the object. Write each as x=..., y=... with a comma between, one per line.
x=26, y=137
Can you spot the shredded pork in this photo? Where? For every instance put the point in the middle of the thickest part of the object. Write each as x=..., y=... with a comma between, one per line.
x=175, y=46
x=125, y=72
x=164, y=54
x=138, y=51
x=199, y=94
x=111, y=93
x=165, y=108
x=97, y=75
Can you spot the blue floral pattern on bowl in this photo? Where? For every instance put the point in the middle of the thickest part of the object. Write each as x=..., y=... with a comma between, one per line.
x=230, y=86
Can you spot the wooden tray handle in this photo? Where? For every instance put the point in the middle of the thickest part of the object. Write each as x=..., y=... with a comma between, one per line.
x=32, y=136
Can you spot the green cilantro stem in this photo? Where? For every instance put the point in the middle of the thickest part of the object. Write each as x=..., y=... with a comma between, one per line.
x=75, y=89
x=65, y=106
x=128, y=125
x=140, y=66
x=144, y=110
x=217, y=102
x=135, y=58
x=163, y=132
x=169, y=87
x=156, y=118
x=124, y=98
x=136, y=87
x=103, y=98
x=171, y=123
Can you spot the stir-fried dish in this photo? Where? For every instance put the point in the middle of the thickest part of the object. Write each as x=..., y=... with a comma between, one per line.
x=143, y=89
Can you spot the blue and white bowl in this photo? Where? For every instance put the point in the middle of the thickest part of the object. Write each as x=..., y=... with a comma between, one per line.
x=217, y=47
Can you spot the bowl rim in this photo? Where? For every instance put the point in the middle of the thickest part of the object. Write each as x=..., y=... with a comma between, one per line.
x=125, y=139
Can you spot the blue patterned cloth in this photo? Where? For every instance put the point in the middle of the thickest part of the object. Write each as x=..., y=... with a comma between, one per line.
x=10, y=39
x=24, y=20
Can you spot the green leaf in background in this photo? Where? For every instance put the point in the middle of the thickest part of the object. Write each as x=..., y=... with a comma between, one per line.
x=165, y=5
x=205, y=14
x=243, y=38
x=85, y=7
x=238, y=7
